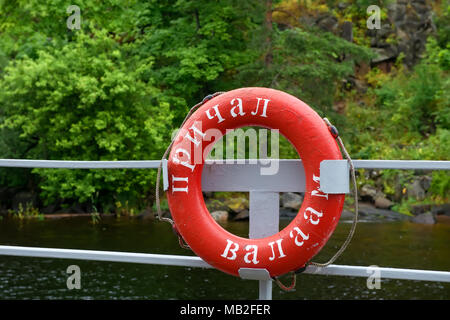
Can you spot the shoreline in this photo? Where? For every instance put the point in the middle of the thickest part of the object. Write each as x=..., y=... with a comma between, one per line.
x=368, y=213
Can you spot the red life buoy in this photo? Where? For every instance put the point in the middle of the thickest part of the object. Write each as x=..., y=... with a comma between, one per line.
x=319, y=214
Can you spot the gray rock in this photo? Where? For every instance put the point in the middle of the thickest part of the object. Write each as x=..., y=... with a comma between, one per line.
x=415, y=190
x=398, y=12
x=420, y=208
x=406, y=37
x=420, y=8
x=425, y=182
x=370, y=213
x=327, y=22
x=291, y=200
x=346, y=215
x=383, y=54
x=411, y=23
x=368, y=192
x=443, y=209
x=220, y=216
x=385, y=31
x=347, y=31
x=425, y=218
x=286, y=213
x=382, y=202
x=243, y=215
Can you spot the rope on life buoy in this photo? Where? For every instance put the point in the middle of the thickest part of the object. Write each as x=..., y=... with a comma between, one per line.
x=335, y=134
x=181, y=241
x=355, y=193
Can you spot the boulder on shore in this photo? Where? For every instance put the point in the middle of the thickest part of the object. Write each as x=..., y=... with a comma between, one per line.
x=291, y=200
x=236, y=205
x=220, y=216
x=382, y=202
x=425, y=218
x=369, y=213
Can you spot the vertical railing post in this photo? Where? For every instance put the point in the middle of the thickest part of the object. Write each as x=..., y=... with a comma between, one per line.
x=264, y=208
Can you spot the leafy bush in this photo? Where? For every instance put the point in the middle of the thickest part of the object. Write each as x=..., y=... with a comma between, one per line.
x=406, y=116
x=88, y=100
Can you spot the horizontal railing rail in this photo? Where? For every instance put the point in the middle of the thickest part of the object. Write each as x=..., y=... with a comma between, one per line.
x=72, y=164
x=197, y=262
x=153, y=164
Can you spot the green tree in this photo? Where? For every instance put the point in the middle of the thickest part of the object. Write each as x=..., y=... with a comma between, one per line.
x=88, y=100
x=197, y=45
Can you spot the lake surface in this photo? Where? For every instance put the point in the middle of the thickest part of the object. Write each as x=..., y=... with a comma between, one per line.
x=395, y=244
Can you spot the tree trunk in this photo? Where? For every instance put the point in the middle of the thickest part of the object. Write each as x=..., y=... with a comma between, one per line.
x=269, y=57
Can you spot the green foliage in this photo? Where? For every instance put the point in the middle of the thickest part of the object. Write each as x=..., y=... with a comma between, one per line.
x=406, y=116
x=405, y=206
x=194, y=45
x=414, y=104
x=27, y=212
x=441, y=183
x=88, y=100
x=442, y=22
x=307, y=63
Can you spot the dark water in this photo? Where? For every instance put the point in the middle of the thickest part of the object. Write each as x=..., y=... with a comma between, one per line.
x=399, y=244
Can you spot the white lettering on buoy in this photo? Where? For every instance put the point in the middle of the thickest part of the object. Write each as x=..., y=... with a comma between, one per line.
x=254, y=252
x=176, y=179
x=318, y=192
x=183, y=163
x=239, y=105
x=298, y=243
x=196, y=130
x=263, y=114
x=229, y=249
x=280, y=249
x=313, y=212
x=216, y=114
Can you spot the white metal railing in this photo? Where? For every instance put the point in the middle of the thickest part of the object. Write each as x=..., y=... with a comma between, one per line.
x=264, y=209
x=197, y=262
